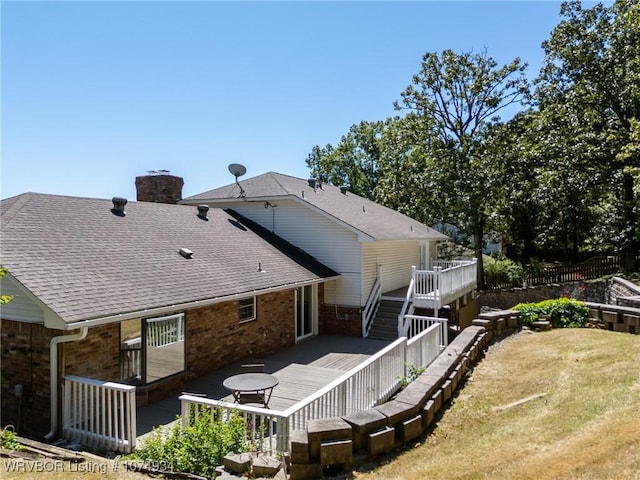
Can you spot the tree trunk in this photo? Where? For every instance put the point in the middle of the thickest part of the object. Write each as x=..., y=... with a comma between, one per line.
x=478, y=234
x=630, y=245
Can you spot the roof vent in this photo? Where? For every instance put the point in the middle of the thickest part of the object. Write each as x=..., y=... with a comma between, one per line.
x=186, y=253
x=118, y=206
x=202, y=212
x=344, y=189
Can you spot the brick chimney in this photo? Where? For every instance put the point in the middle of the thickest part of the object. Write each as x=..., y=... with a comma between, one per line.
x=159, y=187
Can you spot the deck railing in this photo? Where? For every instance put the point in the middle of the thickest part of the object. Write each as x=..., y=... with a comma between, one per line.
x=434, y=288
x=369, y=384
x=99, y=414
x=425, y=347
x=411, y=326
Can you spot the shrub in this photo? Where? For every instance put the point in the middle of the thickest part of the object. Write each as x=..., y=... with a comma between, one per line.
x=561, y=312
x=413, y=373
x=197, y=448
x=9, y=439
x=499, y=270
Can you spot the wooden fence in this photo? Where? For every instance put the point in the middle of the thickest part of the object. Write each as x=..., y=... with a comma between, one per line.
x=533, y=275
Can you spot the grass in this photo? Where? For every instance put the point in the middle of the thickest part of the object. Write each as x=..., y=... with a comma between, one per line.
x=556, y=405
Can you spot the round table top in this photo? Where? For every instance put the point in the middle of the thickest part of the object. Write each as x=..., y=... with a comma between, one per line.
x=250, y=382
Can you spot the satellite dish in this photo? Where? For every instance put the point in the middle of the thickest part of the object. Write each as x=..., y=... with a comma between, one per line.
x=237, y=170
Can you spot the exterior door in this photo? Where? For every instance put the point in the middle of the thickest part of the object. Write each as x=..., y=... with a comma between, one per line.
x=425, y=256
x=305, y=311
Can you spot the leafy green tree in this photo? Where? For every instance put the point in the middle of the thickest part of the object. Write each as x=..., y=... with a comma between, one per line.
x=462, y=96
x=354, y=161
x=590, y=84
x=4, y=298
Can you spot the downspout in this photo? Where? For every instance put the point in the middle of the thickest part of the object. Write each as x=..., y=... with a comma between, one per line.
x=53, y=374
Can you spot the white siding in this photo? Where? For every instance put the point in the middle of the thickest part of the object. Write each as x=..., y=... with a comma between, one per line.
x=330, y=243
x=395, y=258
x=22, y=308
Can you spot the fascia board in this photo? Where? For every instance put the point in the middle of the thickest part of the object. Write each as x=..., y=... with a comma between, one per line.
x=362, y=236
x=51, y=318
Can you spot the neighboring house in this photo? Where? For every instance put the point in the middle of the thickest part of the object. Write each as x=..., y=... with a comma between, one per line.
x=372, y=247
x=140, y=293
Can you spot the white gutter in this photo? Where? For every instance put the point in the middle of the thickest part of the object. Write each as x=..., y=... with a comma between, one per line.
x=187, y=305
x=53, y=374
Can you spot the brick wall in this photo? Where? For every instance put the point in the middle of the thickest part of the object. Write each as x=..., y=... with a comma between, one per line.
x=340, y=320
x=159, y=188
x=24, y=360
x=215, y=337
x=97, y=356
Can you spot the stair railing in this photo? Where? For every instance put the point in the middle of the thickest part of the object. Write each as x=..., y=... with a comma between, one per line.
x=403, y=325
x=371, y=307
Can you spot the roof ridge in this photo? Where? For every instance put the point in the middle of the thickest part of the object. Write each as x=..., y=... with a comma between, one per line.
x=275, y=175
x=15, y=207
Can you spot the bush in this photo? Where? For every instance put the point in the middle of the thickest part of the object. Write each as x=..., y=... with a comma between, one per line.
x=9, y=439
x=499, y=271
x=197, y=448
x=561, y=312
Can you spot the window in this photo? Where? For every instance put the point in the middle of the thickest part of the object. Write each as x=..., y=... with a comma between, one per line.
x=151, y=349
x=247, y=309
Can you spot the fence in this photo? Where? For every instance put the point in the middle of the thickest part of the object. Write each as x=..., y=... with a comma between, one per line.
x=369, y=384
x=99, y=414
x=546, y=274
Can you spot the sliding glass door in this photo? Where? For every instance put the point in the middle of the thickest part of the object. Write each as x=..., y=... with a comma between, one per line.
x=306, y=316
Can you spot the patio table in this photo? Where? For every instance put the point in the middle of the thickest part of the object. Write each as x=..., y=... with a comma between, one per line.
x=251, y=387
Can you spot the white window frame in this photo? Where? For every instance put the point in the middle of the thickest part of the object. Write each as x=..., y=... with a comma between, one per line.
x=253, y=308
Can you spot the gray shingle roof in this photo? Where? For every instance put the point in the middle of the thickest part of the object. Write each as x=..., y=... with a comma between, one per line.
x=370, y=218
x=86, y=263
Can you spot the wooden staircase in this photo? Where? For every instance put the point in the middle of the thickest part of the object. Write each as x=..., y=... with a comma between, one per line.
x=385, y=324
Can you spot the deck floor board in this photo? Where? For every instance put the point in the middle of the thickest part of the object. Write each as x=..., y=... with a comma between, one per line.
x=302, y=370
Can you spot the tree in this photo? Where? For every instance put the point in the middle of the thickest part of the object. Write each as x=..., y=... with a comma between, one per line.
x=354, y=161
x=591, y=78
x=461, y=95
x=4, y=298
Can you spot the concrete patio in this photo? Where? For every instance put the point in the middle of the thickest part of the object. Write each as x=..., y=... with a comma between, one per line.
x=302, y=370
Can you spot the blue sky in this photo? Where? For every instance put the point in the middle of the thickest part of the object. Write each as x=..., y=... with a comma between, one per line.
x=97, y=93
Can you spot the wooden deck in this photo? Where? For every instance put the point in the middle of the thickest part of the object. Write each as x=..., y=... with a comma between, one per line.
x=301, y=370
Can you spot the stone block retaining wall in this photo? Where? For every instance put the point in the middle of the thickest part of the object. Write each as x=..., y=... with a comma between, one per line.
x=355, y=438
x=615, y=291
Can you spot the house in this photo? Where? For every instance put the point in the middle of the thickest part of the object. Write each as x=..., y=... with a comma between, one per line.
x=372, y=247
x=144, y=294
x=118, y=304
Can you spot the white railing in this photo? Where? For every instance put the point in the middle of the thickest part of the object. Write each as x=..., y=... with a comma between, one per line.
x=99, y=414
x=131, y=359
x=435, y=288
x=371, y=308
x=412, y=325
x=425, y=347
x=165, y=330
x=406, y=306
x=369, y=384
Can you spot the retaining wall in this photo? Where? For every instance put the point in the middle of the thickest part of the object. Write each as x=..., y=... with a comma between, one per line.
x=344, y=441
